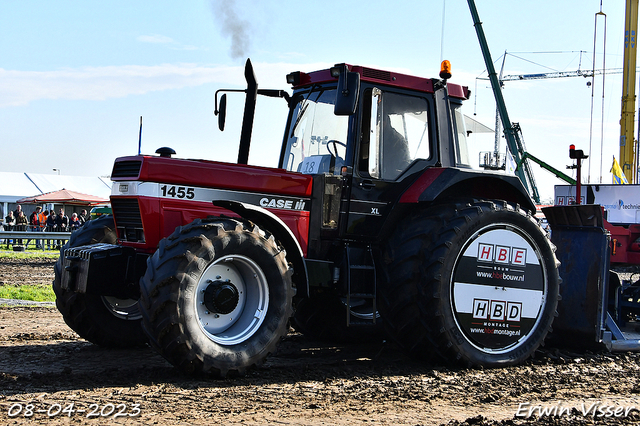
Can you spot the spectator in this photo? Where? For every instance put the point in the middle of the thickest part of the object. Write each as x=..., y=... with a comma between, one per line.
x=21, y=223
x=84, y=217
x=9, y=222
x=32, y=218
x=74, y=223
x=62, y=222
x=51, y=226
x=43, y=225
x=37, y=220
x=17, y=211
x=45, y=217
x=42, y=220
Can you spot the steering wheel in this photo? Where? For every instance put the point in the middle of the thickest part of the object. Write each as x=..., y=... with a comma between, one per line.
x=335, y=144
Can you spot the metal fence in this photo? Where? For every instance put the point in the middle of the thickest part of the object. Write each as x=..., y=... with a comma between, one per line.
x=26, y=238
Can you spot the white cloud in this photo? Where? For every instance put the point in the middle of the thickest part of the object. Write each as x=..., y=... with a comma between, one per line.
x=185, y=47
x=155, y=38
x=18, y=88
x=168, y=41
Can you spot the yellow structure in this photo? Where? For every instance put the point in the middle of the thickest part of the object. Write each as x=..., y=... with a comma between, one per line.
x=627, y=154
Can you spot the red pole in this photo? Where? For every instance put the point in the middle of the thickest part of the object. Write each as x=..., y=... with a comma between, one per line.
x=578, y=155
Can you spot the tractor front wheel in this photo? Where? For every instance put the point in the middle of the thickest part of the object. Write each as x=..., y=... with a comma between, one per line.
x=102, y=320
x=217, y=297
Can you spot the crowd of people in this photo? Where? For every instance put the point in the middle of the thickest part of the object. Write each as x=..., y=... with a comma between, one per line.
x=40, y=221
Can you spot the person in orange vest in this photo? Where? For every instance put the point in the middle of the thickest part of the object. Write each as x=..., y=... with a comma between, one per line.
x=37, y=222
x=43, y=219
x=42, y=222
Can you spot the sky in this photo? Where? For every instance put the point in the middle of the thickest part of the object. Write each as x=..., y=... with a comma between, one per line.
x=76, y=76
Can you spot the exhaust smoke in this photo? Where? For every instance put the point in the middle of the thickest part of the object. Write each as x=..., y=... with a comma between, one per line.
x=224, y=12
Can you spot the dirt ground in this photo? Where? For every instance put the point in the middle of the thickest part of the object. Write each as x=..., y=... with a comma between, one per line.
x=48, y=375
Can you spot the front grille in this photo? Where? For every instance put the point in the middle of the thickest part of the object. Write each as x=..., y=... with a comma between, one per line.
x=126, y=169
x=380, y=75
x=126, y=212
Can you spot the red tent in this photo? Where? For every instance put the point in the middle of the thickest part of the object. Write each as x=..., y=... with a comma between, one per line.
x=64, y=196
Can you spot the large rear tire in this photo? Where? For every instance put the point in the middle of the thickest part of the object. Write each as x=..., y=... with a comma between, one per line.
x=217, y=297
x=474, y=282
x=104, y=321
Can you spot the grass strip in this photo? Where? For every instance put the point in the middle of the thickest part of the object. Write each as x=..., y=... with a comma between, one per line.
x=36, y=254
x=36, y=293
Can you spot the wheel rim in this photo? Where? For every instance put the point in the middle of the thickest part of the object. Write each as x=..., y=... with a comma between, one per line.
x=232, y=300
x=126, y=309
x=498, y=288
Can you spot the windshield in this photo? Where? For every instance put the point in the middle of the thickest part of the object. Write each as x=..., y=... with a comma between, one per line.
x=316, y=141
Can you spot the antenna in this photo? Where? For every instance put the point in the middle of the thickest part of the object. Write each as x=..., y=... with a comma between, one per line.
x=140, y=137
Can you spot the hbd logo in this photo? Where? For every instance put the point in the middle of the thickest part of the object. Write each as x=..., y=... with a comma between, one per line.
x=502, y=254
x=496, y=310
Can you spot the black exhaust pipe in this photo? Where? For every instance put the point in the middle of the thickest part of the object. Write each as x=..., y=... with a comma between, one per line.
x=249, y=112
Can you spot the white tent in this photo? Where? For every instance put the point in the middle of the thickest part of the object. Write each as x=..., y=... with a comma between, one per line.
x=14, y=186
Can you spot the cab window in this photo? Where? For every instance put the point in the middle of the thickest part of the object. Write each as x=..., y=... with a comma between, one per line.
x=316, y=141
x=395, y=133
x=462, y=151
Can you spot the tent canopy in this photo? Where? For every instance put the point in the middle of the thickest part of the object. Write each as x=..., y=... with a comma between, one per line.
x=64, y=196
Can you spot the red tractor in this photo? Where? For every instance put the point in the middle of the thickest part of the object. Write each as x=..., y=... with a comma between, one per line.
x=373, y=218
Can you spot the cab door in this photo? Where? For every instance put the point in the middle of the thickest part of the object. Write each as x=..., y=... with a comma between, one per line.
x=396, y=143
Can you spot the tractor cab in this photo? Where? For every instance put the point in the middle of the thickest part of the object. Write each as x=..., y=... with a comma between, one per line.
x=366, y=135
x=392, y=124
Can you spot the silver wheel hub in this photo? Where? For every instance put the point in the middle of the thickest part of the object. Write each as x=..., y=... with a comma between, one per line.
x=232, y=300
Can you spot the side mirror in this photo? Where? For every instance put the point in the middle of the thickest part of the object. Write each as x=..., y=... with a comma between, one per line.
x=348, y=90
x=221, y=112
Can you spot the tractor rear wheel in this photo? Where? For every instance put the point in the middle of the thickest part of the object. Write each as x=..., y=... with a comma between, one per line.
x=217, y=297
x=104, y=321
x=474, y=282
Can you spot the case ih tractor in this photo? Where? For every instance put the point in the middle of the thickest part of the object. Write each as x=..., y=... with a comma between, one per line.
x=372, y=218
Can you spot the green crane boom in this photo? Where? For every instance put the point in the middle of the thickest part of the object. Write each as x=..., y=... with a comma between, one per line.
x=511, y=135
x=556, y=172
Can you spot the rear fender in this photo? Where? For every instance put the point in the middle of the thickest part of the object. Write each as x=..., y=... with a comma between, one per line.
x=272, y=223
x=441, y=183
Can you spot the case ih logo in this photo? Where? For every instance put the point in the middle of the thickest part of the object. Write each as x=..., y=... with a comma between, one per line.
x=496, y=310
x=502, y=254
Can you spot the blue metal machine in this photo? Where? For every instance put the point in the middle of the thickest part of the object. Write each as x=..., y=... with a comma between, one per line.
x=595, y=302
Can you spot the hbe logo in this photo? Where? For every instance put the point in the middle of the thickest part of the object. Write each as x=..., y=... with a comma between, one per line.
x=496, y=310
x=502, y=254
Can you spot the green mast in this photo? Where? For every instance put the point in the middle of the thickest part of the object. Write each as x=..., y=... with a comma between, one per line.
x=510, y=133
